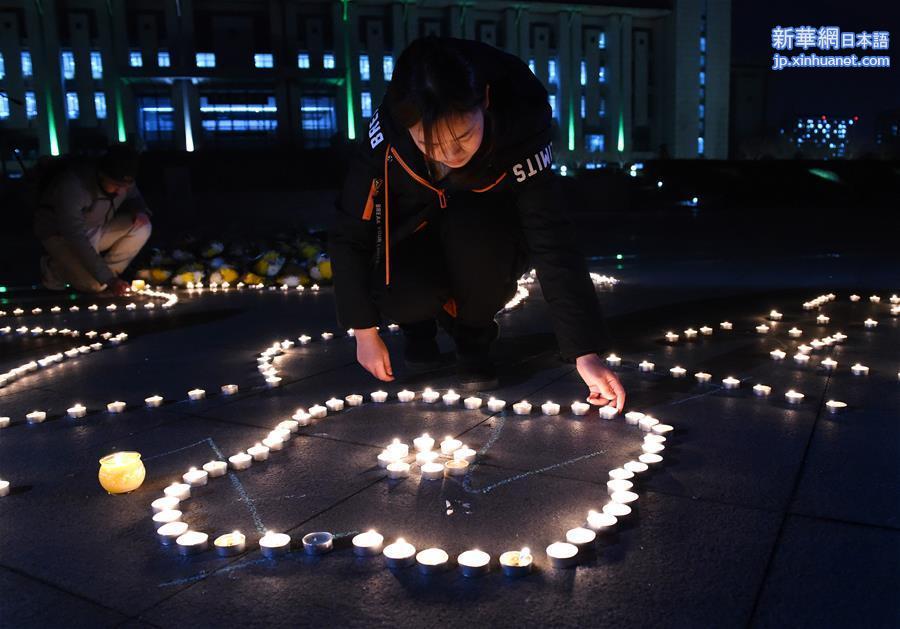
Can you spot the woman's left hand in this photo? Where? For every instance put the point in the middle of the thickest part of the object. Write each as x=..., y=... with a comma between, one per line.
x=604, y=385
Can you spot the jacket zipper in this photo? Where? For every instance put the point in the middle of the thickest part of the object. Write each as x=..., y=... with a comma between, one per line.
x=442, y=197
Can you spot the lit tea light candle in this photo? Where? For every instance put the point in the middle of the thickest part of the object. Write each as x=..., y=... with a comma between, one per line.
x=465, y=454
x=522, y=408
x=367, y=544
x=273, y=381
x=111, y=307
x=432, y=470
x=578, y=408
x=472, y=403
x=793, y=397
x=195, y=477
x=762, y=328
x=230, y=544
x=274, y=544
x=400, y=554
x=671, y=337
x=801, y=359
x=654, y=438
x=562, y=554
x=327, y=336
x=115, y=407
x=495, y=405
x=301, y=417
x=77, y=412
x=386, y=458
x=646, y=365
x=620, y=473
x=474, y=563
x=432, y=560
x=816, y=344
x=196, y=394
x=828, y=363
x=652, y=448
x=774, y=315
x=636, y=467
x=259, y=452
x=317, y=411
x=398, y=449
x=677, y=372
x=398, y=470
x=804, y=349
x=726, y=325
x=613, y=361
x=154, y=401
x=582, y=538
x=550, y=408
x=182, y=491
x=731, y=383
x=36, y=417
x=647, y=422
x=633, y=417
x=854, y=297
x=451, y=397
x=318, y=543
x=423, y=443
x=240, y=461
x=690, y=334
x=859, y=370
x=456, y=468
x=379, y=397
x=706, y=330
x=875, y=299
x=4, y=422
x=406, y=395
x=393, y=328
x=613, y=486
x=426, y=457
x=430, y=396
x=167, y=503
x=171, y=531
x=516, y=563
x=834, y=406
x=650, y=458
x=822, y=319
x=761, y=390
x=334, y=405
x=870, y=323
x=164, y=517
x=288, y=424
x=215, y=469
x=608, y=411
x=304, y=339
x=601, y=522
x=354, y=399
x=795, y=332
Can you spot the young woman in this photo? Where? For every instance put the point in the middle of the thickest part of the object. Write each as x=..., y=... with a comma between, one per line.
x=451, y=198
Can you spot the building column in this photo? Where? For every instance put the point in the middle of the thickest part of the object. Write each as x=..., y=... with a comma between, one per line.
x=718, y=71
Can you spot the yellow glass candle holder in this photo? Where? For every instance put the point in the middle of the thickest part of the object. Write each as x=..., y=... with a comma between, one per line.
x=121, y=472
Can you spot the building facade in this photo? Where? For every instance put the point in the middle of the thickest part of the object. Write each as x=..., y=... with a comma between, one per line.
x=627, y=80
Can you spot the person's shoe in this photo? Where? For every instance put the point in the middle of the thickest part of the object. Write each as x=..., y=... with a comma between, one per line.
x=48, y=278
x=421, y=351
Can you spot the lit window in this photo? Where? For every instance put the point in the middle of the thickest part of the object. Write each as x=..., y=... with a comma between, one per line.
x=700, y=145
x=206, y=59
x=2, y=66
x=601, y=74
x=4, y=106
x=551, y=71
x=601, y=41
x=30, y=105
x=303, y=61
x=702, y=78
x=365, y=99
x=68, y=64
x=364, y=67
x=583, y=107
x=163, y=60
x=100, y=104
x=71, y=105
x=702, y=44
x=27, y=68
x=594, y=142
x=702, y=110
x=601, y=110
x=387, y=67
x=264, y=60
x=328, y=61
x=553, y=104
x=135, y=59
x=583, y=73
x=96, y=65
x=531, y=66
x=318, y=120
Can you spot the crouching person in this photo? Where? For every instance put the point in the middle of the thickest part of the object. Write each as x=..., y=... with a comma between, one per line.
x=92, y=222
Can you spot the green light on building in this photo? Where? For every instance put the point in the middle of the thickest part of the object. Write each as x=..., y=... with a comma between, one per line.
x=620, y=144
x=2, y=289
x=619, y=256
x=120, y=115
x=51, y=127
x=348, y=79
x=571, y=126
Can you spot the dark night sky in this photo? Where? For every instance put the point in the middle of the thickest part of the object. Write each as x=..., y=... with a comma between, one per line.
x=798, y=91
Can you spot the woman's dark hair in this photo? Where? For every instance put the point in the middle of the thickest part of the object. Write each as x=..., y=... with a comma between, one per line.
x=432, y=82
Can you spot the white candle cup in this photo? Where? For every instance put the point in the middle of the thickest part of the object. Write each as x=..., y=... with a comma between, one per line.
x=334, y=405
x=804, y=349
x=777, y=354
x=430, y=396
x=318, y=543
x=450, y=445
x=432, y=560
x=706, y=330
x=182, y=491
x=582, y=538
x=601, y=523
x=432, y=471
x=406, y=395
x=731, y=383
x=472, y=403
x=801, y=359
x=317, y=411
x=400, y=554
x=620, y=473
x=647, y=423
x=423, y=443
x=36, y=417
x=854, y=297
x=169, y=532
x=495, y=406
x=195, y=477
x=550, y=408
x=613, y=486
x=465, y=454
x=164, y=517
x=761, y=390
x=456, y=468
x=516, y=563
x=168, y=503
x=215, y=469
x=259, y=452
x=154, y=401
x=690, y=334
x=77, y=412
x=230, y=544
x=859, y=370
x=828, y=364
x=196, y=394
x=327, y=336
x=289, y=424
x=613, y=361
x=428, y=456
x=703, y=377
x=398, y=470
x=608, y=411
x=385, y=458
x=274, y=544
x=652, y=448
x=636, y=467
x=875, y=299
x=451, y=397
x=229, y=389
x=367, y=544
x=379, y=397
x=671, y=337
x=678, y=372
x=354, y=399
x=115, y=407
x=301, y=417
x=762, y=328
x=617, y=509
x=562, y=554
x=726, y=325
x=822, y=319
x=273, y=381
x=241, y=461
x=633, y=417
x=399, y=450
x=646, y=366
x=304, y=339
x=579, y=408
x=650, y=458
x=835, y=406
x=522, y=408
x=474, y=563
x=5, y=422
x=793, y=397
x=795, y=332
x=273, y=443
x=774, y=315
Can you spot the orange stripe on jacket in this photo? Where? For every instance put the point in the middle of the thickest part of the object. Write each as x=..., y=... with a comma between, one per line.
x=450, y=307
x=370, y=202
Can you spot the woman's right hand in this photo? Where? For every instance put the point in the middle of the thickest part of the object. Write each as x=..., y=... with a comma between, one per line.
x=373, y=355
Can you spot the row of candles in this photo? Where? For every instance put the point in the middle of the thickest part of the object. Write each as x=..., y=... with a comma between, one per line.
x=198, y=287
x=137, y=287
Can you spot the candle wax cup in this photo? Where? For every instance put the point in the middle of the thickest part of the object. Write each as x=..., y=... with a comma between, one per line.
x=562, y=554
x=581, y=538
x=515, y=563
x=432, y=560
x=354, y=399
x=456, y=468
x=318, y=543
x=636, y=467
x=367, y=544
x=169, y=515
x=182, y=491
x=171, y=531
x=274, y=544
x=465, y=454
x=398, y=470
x=406, y=396
x=400, y=554
x=601, y=522
x=474, y=563
x=192, y=542
x=167, y=503
x=472, y=403
x=230, y=544
x=195, y=478
x=432, y=471
x=215, y=468
x=122, y=472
